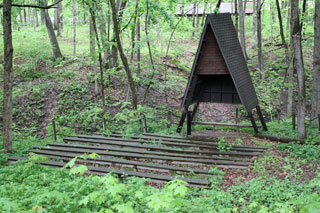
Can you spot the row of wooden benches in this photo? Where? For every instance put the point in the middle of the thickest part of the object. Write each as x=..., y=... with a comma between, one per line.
x=118, y=151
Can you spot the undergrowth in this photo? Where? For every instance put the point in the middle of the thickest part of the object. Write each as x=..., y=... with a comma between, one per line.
x=309, y=152
x=32, y=187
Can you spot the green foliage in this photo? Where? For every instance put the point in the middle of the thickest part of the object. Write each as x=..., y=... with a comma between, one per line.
x=309, y=152
x=20, y=146
x=130, y=121
x=60, y=191
x=284, y=128
x=271, y=195
x=223, y=145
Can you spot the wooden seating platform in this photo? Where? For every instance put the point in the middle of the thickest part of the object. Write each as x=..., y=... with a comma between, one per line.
x=157, y=157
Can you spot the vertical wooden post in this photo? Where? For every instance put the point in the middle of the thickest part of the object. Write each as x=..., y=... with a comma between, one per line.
x=293, y=120
x=183, y=117
x=263, y=122
x=195, y=109
x=237, y=119
x=54, y=130
x=189, y=120
x=254, y=125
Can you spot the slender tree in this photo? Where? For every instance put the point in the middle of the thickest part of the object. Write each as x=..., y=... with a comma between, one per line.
x=259, y=36
x=92, y=11
x=122, y=55
x=103, y=36
x=138, y=46
x=74, y=12
x=254, y=23
x=299, y=66
x=35, y=12
x=7, y=77
x=236, y=13
x=284, y=43
x=58, y=19
x=316, y=63
x=52, y=36
x=194, y=17
x=242, y=33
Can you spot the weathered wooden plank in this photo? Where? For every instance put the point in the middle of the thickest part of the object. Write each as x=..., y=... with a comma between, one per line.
x=221, y=124
x=119, y=161
x=103, y=171
x=141, y=151
x=212, y=141
x=168, y=142
x=146, y=156
x=130, y=144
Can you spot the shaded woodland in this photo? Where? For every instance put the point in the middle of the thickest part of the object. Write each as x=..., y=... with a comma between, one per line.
x=71, y=67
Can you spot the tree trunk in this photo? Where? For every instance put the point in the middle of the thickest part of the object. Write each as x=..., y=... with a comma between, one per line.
x=55, y=20
x=74, y=12
x=288, y=19
x=55, y=46
x=254, y=23
x=92, y=52
x=298, y=64
x=60, y=23
x=36, y=17
x=271, y=24
x=25, y=16
x=242, y=35
x=194, y=17
x=30, y=17
x=114, y=50
x=103, y=35
x=20, y=18
x=204, y=12
x=150, y=54
x=133, y=32
x=259, y=37
x=316, y=65
x=7, y=77
x=93, y=18
x=122, y=55
x=284, y=43
x=138, y=49
x=42, y=18
x=58, y=19
x=236, y=13
x=291, y=69
x=92, y=39
x=197, y=14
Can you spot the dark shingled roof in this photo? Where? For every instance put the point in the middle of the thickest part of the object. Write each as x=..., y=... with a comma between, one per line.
x=227, y=39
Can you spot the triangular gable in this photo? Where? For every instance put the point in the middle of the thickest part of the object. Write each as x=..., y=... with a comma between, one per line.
x=211, y=60
x=219, y=33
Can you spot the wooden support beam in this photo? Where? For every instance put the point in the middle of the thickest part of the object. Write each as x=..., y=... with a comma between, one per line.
x=189, y=121
x=222, y=124
x=195, y=109
x=293, y=120
x=54, y=130
x=263, y=122
x=254, y=125
x=237, y=119
x=183, y=117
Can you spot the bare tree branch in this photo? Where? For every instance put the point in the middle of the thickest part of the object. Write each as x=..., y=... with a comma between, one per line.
x=35, y=6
